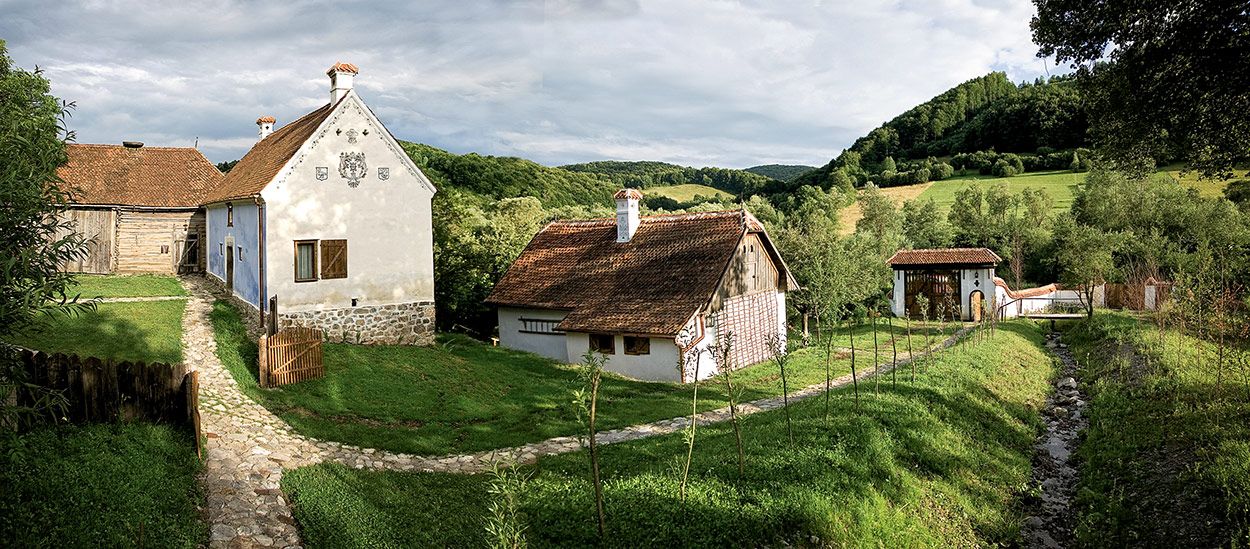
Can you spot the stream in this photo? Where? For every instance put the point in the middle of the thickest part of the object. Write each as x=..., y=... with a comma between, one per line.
x=1051, y=521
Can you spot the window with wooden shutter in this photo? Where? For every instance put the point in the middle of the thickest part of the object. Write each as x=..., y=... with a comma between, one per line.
x=333, y=259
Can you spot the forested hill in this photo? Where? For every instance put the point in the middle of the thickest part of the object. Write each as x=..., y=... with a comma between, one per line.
x=646, y=174
x=498, y=177
x=781, y=172
x=985, y=113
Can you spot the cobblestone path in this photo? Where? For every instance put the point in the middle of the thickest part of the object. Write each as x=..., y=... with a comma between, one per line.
x=248, y=447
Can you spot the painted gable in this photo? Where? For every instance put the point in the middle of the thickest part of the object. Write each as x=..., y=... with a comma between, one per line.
x=351, y=180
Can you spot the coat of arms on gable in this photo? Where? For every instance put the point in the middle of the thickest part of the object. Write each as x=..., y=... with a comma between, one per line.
x=352, y=167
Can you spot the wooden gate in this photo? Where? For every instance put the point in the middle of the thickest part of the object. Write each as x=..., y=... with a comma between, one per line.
x=289, y=356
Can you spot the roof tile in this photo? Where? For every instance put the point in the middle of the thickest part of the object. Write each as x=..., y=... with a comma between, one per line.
x=169, y=177
x=945, y=256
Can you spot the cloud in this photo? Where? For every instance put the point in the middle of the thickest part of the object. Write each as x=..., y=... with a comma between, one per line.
x=696, y=82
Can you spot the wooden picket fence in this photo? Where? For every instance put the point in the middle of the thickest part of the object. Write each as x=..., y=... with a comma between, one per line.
x=105, y=391
x=290, y=356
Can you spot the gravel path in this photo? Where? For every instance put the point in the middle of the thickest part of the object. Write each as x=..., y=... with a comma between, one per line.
x=248, y=447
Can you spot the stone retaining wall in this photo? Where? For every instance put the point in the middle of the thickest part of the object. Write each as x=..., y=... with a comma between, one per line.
x=396, y=324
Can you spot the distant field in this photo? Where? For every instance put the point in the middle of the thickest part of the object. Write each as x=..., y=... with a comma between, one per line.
x=1060, y=185
x=1206, y=187
x=687, y=192
x=851, y=214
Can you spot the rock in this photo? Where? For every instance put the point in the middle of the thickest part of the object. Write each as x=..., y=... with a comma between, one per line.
x=222, y=532
x=1066, y=383
x=1059, y=411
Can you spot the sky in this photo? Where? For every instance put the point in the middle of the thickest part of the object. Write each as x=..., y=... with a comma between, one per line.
x=699, y=83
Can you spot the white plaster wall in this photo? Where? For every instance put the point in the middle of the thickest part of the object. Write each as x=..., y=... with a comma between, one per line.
x=660, y=365
x=549, y=345
x=968, y=279
x=387, y=224
x=898, y=299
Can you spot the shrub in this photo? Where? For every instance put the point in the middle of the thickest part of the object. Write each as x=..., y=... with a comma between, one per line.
x=1002, y=168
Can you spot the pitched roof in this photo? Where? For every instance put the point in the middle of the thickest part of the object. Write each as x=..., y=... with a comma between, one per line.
x=945, y=256
x=170, y=177
x=259, y=166
x=652, y=284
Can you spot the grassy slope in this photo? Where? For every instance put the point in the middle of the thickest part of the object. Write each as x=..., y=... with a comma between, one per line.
x=936, y=463
x=147, y=331
x=1060, y=185
x=91, y=286
x=461, y=395
x=687, y=192
x=852, y=214
x=100, y=486
x=1166, y=460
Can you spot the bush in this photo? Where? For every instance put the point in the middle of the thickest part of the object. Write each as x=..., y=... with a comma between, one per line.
x=1002, y=168
x=941, y=171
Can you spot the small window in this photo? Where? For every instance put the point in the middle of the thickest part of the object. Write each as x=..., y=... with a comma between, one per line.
x=239, y=252
x=333, y=259
x=635, y=345
x=540, y=326
x=221, y=249
x=305, y=260
x=229, y=214
x=603, y=343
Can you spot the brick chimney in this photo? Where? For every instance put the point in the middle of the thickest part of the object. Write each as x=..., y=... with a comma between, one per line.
x=341, y=77
x=627, y=218
x=265, y=123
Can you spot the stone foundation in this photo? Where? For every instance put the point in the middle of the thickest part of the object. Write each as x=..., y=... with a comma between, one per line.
x=397, y=324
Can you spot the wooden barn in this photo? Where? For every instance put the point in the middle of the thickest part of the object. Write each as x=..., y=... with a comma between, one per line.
x=139, y=207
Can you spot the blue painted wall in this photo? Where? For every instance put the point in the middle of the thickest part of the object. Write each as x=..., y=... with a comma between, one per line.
x=247, y=248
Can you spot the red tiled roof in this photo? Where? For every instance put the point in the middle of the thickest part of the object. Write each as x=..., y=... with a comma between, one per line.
x=652, y=284
x=169, y=177
x=1027, y=292
x=266, y=120
x=259, y=166
x=627, y=193
x=945, y=256
x=343, y=67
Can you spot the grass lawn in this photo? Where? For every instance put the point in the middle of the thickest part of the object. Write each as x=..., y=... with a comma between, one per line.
x=1210, y=188
x=90, y=286
x=1166, y=459
x=936, y=463
x=1060, y=185
x=687, y=192
x=149, y=331
x=462, y=395
x=100, y=486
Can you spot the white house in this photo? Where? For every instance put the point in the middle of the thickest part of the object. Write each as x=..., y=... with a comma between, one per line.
x=949, y=278
x=653, y=294
x=331, y=217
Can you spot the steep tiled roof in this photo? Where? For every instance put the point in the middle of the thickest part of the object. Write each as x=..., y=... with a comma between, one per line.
x=170, y=177
x=649, y=285
x=627, y=193
x=945, y=256
x=258, y=167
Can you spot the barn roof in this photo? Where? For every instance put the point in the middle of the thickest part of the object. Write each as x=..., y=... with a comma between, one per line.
x=944, y=256
x=652, y=284
x=117, y=175
x=267, y=157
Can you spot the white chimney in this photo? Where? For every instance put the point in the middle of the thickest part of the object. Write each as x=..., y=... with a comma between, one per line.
x=266, y=126
x=341, y=77
x=626, y=213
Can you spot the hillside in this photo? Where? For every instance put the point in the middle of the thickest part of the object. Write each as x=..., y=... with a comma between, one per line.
x=780, y=172
x=498, y=177
x=648, y=174
x=982, y=114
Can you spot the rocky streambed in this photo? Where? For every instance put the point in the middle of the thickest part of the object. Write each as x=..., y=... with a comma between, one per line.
x=1051, y=521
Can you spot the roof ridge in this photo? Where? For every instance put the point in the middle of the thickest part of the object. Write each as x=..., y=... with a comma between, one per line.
x=680, y=216
x=145, y=147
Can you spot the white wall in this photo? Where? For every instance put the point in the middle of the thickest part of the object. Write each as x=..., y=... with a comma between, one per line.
x=969, y=279
x=387, y=224
x=660, y=365
x=549, y=345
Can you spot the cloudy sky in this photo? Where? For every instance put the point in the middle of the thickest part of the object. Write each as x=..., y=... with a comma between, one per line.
x=699, y=83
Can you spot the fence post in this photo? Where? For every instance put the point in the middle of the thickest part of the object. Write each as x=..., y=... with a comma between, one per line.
x=262, y=363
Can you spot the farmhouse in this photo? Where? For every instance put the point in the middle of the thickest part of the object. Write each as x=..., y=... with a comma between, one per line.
x=653, y=294
x=138, y=207
x=329, y=216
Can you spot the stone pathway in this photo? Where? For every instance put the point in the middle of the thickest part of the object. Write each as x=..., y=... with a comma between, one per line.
x=1051, y=523
x=248, y=447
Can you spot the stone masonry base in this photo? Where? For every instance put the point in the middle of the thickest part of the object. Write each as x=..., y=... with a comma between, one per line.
x=396, y=324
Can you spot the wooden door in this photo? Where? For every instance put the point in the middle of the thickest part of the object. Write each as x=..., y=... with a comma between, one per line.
x=97, y=228
x=940, y=287
x=230, y=265
x=975, y=302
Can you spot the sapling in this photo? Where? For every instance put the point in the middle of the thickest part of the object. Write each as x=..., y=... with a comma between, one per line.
x=691, y=357
x=923, y=303
x=876, y=355
x=585, y=400
x=505, y=525
x=850, y=324
x=720, y=354
x=911, y=357
x=894, y=361
x=941, y=322
x=781, y=356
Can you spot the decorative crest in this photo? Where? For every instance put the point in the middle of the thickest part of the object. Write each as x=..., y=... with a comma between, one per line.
x=352, y=167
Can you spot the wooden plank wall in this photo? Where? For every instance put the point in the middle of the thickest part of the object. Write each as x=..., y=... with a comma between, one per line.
x=98, y=227
x=152, y=241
